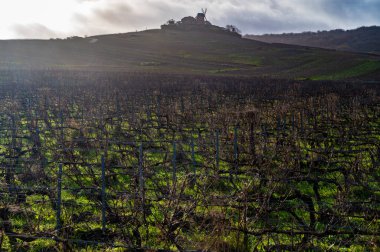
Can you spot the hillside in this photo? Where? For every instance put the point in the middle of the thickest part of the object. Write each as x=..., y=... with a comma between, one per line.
x=363, y=39
x=186, y=51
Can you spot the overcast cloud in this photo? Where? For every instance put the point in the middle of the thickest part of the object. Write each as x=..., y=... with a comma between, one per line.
x=62, y=18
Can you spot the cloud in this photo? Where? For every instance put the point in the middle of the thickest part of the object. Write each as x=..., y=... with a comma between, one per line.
x=273, y=16
x=120, y=16
x=91, y=17
x=117, y=14
x=33, y=31
x=82, y=1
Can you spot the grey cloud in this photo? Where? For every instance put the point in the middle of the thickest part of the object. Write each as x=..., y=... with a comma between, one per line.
x=302, y=15
x=119, y=13
x=120, y=16
x=251, y=16
x=33, y=31
x=80, y=19
x=352, y=8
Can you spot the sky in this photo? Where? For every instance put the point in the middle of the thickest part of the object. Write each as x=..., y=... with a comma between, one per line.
x=46, y=19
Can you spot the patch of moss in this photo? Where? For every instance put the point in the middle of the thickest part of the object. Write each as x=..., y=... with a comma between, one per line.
x=245, y=59
x=224, y=70
x=150, y=63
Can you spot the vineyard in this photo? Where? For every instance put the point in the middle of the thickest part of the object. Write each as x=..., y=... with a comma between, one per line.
x=94, y=161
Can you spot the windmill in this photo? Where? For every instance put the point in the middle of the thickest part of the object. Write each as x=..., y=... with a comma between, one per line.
x=201, y=17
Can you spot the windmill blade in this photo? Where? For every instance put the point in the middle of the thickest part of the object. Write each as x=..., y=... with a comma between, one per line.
x=204, y=12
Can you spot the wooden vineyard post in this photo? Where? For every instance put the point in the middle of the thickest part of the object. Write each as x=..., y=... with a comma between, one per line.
x=182, y=105
x=103, y=195
x=174, y=164
x=191, y=102
x=61, y=122
x=301, y=115
x=292, y=235
x=10, y=170
x=132, y=113
x=82, y=115
x=236, y=149
x=236, y=155
x=293, y=121
x=149, y=115
x=194, y=164
x=59, y=193
x=252, y=140
x=117, y=104
x=141, y=175
x=217, y=150
x=278, y=131
x=265, y=136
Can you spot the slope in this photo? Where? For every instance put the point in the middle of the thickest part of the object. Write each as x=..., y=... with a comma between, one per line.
x=363, y=39
x=179, y=51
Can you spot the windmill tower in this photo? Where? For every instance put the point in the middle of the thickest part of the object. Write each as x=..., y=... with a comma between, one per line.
x=201, y=17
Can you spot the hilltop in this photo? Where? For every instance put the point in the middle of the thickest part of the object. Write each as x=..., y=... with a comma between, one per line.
x=363, y=39
x=187, y=51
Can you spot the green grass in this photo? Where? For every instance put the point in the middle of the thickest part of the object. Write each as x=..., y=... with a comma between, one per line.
x=245, y=59
x=150, y=63
x=224, y=70
x=364, y=68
